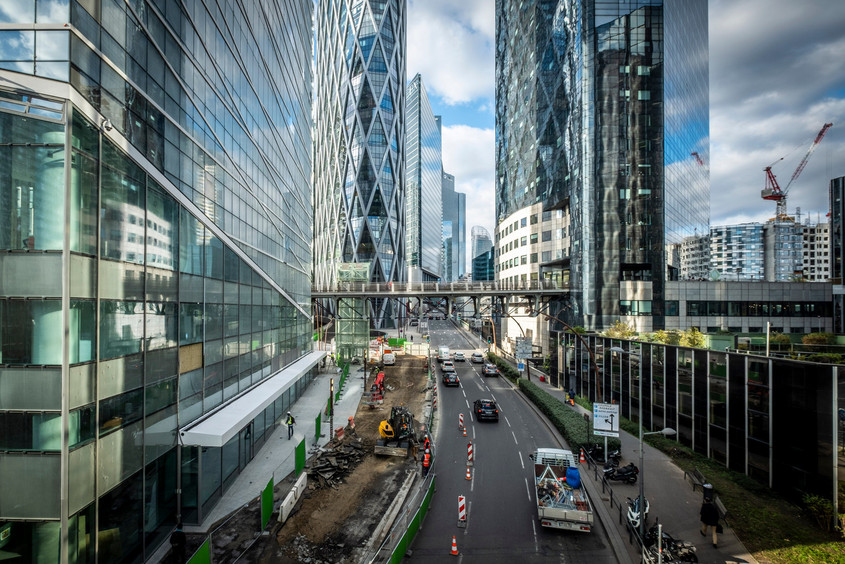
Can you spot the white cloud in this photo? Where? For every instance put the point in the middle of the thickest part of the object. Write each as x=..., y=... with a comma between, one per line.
x=469, y=154
x=451, y=45
x=773, y=85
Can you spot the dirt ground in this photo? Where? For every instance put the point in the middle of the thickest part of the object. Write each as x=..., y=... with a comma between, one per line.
x=332, y=523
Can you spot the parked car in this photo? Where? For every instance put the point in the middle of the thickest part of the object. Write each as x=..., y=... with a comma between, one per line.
x=477, y=358
x=458, y=356
x=451, y=379
x=389, y=359
x=490, y=370
x=447, y=366
x=486, y=409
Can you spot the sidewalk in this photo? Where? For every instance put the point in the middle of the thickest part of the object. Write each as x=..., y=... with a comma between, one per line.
x=671, y=498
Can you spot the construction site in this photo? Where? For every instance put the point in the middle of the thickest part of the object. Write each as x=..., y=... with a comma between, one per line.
x=341, y=515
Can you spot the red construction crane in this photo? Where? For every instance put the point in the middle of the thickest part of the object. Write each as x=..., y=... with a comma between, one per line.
x=772, y=191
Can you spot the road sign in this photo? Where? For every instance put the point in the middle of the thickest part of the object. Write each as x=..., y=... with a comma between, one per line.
x=523, y=347
x=520, y=366
x=606, y=419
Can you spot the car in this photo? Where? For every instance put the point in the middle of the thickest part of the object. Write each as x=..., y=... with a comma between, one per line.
x=458, y=356
x=490, y=370
x=448, y=366
x=451, y=379
x=389, y=359
x=414, y=322
x=486, y=409
x=477, y=358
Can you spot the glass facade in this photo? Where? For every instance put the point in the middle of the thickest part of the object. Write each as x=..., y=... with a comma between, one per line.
x=154, y=167
x=454, y=245
x=603, y=112
x=423, y=197
x=359, y=159
x=751, y=413
x=737, y=251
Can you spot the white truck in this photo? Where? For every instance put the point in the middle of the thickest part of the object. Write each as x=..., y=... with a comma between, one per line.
x=443, y=354
x=562, y=501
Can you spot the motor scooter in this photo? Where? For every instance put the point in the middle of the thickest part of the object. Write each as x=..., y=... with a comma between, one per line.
x=634, y=512
x=613, y=457
x=627, y=473
x=672, y=549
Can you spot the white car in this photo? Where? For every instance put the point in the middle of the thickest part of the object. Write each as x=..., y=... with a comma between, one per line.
x=477, y=358
x=389, y=359
x=459, y=357
x=447, y=366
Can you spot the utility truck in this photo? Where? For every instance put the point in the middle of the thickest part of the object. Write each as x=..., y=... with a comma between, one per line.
x=562, y=501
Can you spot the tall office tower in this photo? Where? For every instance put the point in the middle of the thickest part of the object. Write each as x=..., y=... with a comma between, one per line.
x=481, y=242
x=737, y=252
x=423, y=193
x=602, y=112
x=695, y=257
x=154, y=262
x=359, y=155
x=454, y=212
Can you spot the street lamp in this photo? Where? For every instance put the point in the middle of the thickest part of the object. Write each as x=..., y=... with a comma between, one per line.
x=666, y=432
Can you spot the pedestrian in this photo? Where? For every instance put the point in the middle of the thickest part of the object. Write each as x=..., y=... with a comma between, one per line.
x=177, y=543
x=290, y=423
x=709, y=518
x=572, y=393
x=426, y=462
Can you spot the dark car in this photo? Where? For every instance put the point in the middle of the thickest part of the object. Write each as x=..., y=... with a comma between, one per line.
x=451, y=379
x=486, y=409
x=490, y=370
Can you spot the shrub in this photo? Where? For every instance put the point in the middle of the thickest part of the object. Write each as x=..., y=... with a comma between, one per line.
x=820, y=509
x=569, y=422
x=620, y=330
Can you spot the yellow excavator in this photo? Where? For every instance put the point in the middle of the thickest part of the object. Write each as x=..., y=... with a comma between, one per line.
x=397, y=433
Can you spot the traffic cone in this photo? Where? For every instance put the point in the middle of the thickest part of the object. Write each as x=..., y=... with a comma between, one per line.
x=583, y=459
x=465, y=431
x=468, y=475
x=454, y=546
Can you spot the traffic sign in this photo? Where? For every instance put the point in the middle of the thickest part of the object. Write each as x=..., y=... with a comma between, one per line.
x=520, y=366
x=606, y=419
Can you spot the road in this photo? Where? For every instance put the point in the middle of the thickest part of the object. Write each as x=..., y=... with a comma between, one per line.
x=502, y=523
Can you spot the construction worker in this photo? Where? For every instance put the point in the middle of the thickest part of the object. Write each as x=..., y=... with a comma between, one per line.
x=426, y=443
x=426, y=462
x=290, y=422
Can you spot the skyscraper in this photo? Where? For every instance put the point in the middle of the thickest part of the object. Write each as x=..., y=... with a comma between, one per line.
x=454, y=213
x=423, y=194
x=481, y=242
x=154, y=167
x=602, y=112
x=359, y=162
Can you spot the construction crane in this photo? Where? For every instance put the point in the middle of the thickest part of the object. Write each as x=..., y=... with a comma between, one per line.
x=773, y=191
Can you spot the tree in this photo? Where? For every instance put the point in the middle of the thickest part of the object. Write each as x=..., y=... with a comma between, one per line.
x=779, y=339
x=620, y=330
x=692, y=338
x=666, y=337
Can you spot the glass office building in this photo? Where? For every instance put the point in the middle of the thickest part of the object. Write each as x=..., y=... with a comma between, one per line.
x=423, y=198
x=454, y=213
x=359, y=158
x=154, y=261
x=602, y=112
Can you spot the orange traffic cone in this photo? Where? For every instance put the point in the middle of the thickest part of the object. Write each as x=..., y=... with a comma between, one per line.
x=465, y=431
x=454, y=546
x=468, y=476
x=583, y=459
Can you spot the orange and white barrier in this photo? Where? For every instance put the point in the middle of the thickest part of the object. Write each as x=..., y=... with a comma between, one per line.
x=462, y=511
x=469, y=454
x=460, y=421
x=454, y=546
x=469, y=476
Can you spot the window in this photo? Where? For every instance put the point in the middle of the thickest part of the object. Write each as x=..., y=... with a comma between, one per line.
x=547, y=236
x=533, y=238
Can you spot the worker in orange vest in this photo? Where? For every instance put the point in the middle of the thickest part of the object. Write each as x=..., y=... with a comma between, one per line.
x=426, y=462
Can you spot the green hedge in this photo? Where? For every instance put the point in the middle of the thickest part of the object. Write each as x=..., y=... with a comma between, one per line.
x=569, y=422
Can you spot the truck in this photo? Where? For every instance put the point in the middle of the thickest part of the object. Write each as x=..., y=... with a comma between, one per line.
x=562, y=501
x=443, y=354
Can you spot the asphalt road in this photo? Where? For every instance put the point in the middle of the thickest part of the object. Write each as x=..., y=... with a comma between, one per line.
x=502, y=523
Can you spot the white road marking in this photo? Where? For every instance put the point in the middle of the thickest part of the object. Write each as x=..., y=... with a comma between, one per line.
x=473, y=432
x=508, y=422
x=522, y=462
x=536, y=541
x=469, y=512
x=494, y=397
x=468, y=407
x=527, y=489
x=514, y=438
x=471, y=482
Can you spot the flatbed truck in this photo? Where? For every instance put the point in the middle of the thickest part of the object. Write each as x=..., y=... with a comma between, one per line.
x=562, y=501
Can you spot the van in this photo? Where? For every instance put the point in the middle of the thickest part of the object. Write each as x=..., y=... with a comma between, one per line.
x=389, y=359
x=443, y=354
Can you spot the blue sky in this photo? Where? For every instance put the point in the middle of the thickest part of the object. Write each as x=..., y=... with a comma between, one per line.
x=777, y=74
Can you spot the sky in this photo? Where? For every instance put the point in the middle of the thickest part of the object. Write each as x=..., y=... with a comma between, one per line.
x=777, y=75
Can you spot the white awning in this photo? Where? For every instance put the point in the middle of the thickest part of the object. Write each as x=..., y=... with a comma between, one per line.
x=218, y=427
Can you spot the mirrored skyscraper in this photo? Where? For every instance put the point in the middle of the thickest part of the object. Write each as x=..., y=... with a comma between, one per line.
x=359, y=159
x=154, y=262
x=603, y=114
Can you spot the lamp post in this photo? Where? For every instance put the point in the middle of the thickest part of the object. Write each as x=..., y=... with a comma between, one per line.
x=667, y=432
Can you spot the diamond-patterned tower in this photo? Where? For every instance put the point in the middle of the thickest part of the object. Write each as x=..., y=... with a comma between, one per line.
x=359, y=171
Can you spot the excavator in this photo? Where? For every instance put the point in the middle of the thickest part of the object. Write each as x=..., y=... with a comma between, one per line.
x=397, y=433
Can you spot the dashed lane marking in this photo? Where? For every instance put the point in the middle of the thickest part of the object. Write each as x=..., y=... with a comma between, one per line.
x=507, y=421
x=514, y=438
x=522, y=462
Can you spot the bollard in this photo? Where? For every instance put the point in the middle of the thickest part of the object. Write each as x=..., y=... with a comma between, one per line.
x=460, y=421
x=462, y=511
x=469, y=454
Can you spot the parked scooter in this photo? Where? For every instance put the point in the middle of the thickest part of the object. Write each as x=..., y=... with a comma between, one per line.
x=613, y=458
x=596, y=452
x=634, y=512
x=674, y=550
x=627, y=473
